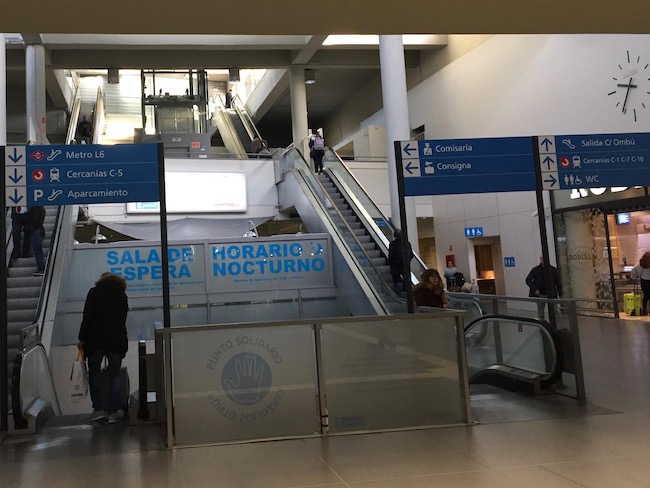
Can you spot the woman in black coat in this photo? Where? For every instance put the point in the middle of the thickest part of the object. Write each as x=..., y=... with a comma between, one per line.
x=103, y=334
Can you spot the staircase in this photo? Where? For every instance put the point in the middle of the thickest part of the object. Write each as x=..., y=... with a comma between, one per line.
x=24, y=290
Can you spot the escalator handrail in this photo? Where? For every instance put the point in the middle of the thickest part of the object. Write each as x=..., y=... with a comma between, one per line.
x=74, y=116
x=240, y=108
x=556, y=371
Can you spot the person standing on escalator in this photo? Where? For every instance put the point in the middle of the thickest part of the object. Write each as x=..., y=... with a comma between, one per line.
x=317, y=152
x=84, y=131
x=35, y=221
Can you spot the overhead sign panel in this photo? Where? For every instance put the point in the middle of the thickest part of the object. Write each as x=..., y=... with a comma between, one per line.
x=458, y=166
x=596, y=160
x=81, y=174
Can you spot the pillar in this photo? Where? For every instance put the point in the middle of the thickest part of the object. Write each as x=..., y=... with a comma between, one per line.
x=393, y=87
x=35, y=93
x=299, y=122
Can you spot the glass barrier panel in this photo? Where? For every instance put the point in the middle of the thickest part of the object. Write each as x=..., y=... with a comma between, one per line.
x=467, y=302
x=511, y=343
x=239, y=383
x=392, y=373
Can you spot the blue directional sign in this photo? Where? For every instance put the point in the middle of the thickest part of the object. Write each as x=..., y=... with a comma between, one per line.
x=81, y=174
x=473, y=231
x=509, y=261
x=597, y=160
x=440, y=167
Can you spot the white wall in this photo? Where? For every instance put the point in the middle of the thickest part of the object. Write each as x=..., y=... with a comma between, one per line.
x=519, y=85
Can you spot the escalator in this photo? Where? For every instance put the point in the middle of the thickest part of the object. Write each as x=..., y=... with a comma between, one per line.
x=360, y=278
x=240, y=130
x=356, y=218
x=30, y=321
x=515, y=353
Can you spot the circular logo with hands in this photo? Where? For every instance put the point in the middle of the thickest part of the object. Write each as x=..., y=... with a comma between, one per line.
x=246, y=378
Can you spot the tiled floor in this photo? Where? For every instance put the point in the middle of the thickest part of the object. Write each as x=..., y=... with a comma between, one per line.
x=519, y=442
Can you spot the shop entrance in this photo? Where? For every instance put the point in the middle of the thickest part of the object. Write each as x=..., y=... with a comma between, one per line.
x=596, y=252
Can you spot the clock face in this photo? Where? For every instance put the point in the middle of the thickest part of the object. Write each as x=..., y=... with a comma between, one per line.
x=631, y=93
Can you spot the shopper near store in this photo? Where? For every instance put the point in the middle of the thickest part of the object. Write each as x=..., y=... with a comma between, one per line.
x=642, y=272
x=537, y=285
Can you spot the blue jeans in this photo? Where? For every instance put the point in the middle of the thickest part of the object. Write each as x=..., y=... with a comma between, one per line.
x=94, y=369
x=37, y=249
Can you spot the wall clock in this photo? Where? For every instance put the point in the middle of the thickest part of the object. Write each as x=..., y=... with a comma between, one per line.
x=631, y=86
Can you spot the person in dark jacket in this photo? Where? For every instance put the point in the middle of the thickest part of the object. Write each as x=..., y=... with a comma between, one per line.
x=84, y=131
x=35, y=220
x=396, y=260
x=429, y=292
x=19, y=229
x=103, y=334
x=537, y=285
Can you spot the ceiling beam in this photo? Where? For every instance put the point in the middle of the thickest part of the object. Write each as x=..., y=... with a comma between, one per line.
x=293, y=17
x=180, y=59
x=305, y=54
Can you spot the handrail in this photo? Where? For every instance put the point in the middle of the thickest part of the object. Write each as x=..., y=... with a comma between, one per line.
x=49, y=266
x=246, y=119
x=227, y=131
x=554, y=340
x=322, y=194
x=98, y=119
x=74, y=116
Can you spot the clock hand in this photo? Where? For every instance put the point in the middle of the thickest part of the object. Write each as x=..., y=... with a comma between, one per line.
x=627, y=94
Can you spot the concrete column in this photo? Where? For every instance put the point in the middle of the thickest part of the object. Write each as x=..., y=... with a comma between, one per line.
x=35, y=93
x=3, y=91
x=393, y=87
x=299, y=122
x=581, y=256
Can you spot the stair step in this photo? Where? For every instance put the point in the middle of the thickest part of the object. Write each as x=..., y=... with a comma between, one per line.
x=25, y=282
x=30, y=303
x=20, y=316
x=23, y=292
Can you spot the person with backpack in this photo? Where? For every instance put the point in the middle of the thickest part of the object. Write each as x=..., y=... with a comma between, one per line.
x=317, y=152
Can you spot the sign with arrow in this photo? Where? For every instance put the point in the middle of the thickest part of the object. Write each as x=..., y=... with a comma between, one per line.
x=80, y=174
x=595, y=160
x=441, y=167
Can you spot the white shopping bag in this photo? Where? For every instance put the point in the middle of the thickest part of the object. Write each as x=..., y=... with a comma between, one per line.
x=78, y=379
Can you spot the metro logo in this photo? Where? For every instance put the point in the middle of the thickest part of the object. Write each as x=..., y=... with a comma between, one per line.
x=38, y=155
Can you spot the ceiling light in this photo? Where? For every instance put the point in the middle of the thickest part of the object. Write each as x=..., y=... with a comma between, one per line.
x=310, y=77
